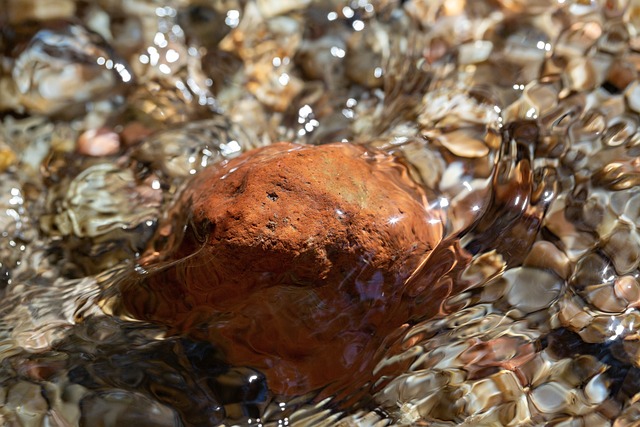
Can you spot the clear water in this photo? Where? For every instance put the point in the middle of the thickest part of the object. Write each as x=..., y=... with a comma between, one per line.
x=519, y=120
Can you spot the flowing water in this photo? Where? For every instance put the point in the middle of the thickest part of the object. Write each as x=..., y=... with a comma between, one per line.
x=518, y=120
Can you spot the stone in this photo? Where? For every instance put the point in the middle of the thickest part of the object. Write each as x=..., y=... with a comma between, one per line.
x=63, y=67
x=98, y=142
x=474, y=52
x=295, y=261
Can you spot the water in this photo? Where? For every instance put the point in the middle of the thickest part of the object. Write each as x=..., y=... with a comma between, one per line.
x=518, y=121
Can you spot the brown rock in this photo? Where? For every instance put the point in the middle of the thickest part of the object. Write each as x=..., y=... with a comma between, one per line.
x=295, y=260
x=621, y=74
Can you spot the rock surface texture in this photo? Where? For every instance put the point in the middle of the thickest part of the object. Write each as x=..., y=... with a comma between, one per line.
x=295, y=261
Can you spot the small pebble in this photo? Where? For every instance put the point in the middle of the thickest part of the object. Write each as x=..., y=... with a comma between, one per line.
x=98, y=142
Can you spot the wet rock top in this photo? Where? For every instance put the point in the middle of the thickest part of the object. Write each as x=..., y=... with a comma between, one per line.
x=313, y=215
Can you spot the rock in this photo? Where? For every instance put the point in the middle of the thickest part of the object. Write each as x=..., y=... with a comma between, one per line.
x=64, y=66
x=295, y=258
x=317, y=217
x=474, y=52
x=93, y=203
x=98, y=142
x=186, y=149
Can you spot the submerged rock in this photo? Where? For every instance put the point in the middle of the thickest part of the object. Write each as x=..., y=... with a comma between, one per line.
x=295, y=261
x=62, y=67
